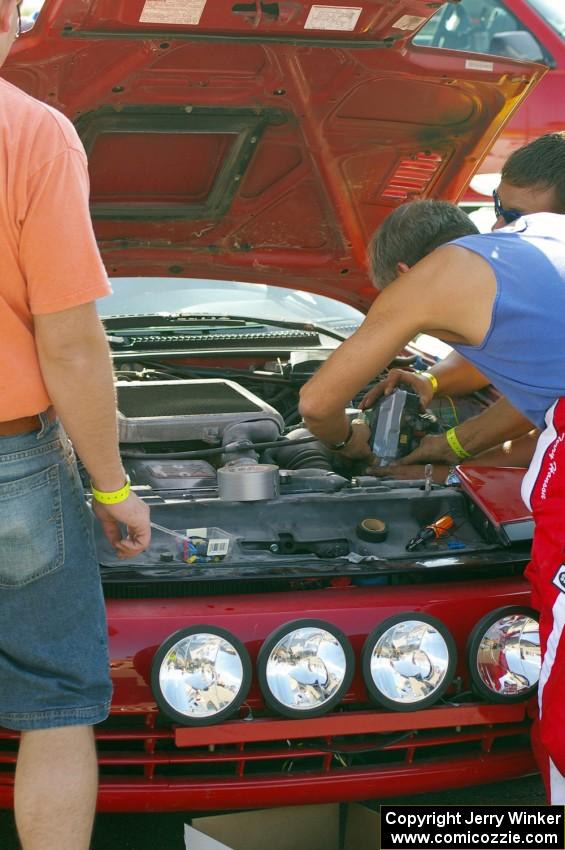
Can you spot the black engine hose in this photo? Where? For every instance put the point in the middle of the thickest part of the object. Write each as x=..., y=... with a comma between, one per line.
x=218, y=450
x=294, y=455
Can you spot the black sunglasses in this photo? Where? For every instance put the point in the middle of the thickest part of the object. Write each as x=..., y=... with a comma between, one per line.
x=508, y=215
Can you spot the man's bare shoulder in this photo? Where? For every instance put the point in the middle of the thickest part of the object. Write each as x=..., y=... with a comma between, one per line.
x=449, y=269
x=455, y=258
x=450, y=292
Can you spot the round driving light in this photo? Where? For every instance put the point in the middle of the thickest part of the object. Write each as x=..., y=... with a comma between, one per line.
x=200, y=675
x=304, y=668
x=504, y=654
x=408, y=661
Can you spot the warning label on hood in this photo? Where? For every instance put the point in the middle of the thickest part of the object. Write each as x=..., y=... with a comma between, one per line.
x=333, y=18
x=409, y=22
x=172, y=12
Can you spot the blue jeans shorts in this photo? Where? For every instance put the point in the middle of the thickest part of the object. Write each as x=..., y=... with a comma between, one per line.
x=54, y=667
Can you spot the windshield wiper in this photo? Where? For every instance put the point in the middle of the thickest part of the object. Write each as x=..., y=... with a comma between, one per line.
x=193, y=320
x=277, y=323
x=140, y=321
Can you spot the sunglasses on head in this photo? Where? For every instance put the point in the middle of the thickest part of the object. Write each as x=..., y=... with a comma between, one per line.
x=508, y=215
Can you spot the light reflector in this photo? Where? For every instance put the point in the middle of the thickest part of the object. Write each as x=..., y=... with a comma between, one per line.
x=305, y=667
x=408, y=661
x=504, y=654
x=201, y=675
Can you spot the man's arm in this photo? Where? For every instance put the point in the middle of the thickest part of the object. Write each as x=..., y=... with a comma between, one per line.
x=495, y=425
x=455, y=376
x=517, y=452
x=77, y=370
x=423, y=299
x=499, y=422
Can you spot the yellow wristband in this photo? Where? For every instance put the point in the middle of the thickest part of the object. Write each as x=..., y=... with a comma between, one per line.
x=432, y=379
x=114, y=497
x=455, y=445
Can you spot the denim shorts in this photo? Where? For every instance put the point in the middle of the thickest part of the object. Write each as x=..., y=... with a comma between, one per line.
x=54, y=667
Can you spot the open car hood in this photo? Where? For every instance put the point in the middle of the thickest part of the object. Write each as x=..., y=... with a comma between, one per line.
x=261, y=141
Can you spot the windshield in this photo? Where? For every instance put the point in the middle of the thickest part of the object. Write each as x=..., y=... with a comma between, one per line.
x=29, y=12
x=134, y=295
x=553, y=12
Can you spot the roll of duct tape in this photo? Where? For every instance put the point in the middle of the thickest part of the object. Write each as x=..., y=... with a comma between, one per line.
x=248, y=482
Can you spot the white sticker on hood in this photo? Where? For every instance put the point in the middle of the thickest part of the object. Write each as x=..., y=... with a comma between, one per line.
x=478, y=65
x=409, y=22
x=333, y=18
x=172, y=12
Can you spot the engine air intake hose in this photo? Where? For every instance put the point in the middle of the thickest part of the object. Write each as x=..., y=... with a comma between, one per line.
x=301, y=455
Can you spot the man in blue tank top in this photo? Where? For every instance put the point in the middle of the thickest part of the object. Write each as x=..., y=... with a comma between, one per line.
x=532, y=180
x=499, y=300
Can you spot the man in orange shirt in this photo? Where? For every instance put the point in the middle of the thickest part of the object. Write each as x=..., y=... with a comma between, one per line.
x=55, y=370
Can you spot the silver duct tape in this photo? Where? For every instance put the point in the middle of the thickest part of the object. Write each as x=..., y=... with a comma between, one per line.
x=248, y=483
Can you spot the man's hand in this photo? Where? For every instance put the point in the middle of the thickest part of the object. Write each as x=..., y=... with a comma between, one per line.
x=411, y=472
x=423, y=386
x=358, y=447
x=433, y=448
x=132, y=513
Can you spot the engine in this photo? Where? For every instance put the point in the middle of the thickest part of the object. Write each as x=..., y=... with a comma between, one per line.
x=193, y=434
x=228, y=480
x=203, y=436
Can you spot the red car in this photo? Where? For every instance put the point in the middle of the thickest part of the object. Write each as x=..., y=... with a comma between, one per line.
x=529, y=30
x=279, y=643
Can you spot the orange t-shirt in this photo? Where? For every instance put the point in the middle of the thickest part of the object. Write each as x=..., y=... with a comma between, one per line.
x=49, y=260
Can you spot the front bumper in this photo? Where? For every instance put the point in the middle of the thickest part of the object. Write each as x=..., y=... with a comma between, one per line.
x=149, y=764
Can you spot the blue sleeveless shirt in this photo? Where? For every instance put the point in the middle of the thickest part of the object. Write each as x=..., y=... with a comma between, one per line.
x=523, y=352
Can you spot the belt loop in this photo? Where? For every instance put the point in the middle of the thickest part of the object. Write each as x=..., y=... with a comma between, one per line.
x=45, y=420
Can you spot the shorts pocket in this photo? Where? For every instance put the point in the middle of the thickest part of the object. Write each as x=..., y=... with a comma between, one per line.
x=31, y=528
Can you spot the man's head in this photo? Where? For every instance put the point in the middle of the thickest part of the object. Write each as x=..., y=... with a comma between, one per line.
x=533, y=179
x=9, y=26
x=410, y=233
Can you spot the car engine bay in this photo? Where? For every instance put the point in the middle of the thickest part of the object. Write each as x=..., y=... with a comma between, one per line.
x=238, y=487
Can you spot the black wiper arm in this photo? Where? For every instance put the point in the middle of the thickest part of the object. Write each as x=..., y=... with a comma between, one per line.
x=139, y=321
x=191, y=320
x=278, y=323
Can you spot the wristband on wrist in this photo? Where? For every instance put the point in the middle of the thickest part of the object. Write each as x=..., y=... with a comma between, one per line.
x=335, y=447
x=432, y=379
x=455, y=445
x=114, y=497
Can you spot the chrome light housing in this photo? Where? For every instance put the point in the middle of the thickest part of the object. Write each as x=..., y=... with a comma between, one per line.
x=304, y=668
x=200, y=675
x=408, y=661
x=504, y=654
